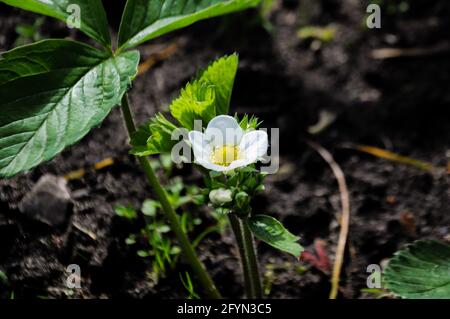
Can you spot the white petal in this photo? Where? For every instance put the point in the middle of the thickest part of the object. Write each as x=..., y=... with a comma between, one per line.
x=240, y=163
x=208, y=165
x=254, y=144
x=200, y=145
x=224, y=130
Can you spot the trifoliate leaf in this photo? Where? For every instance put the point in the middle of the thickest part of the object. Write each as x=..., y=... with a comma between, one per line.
x=421, y=271
x=154, y=137
x=271, y=231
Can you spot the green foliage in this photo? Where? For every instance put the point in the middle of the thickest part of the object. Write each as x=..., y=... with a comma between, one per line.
x=153, y=137
x=154, y=240
x=249, y=122
x=149, y=207
x=189, y=286
x=220, y=75
x=144, y=20
x=244, y=183
x=93, y=16
x=28, y=33
x=127, y=212
x=421, y=271
x=202, y=99
x=323, y=34
x=196, y=102
x=271, y=231
x=208, y=95
x=3, y=278
x=53, y=92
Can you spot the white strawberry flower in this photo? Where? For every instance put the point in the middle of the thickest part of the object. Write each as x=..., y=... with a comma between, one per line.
x=225, y=146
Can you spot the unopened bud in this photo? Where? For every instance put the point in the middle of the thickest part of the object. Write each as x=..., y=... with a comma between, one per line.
x=220, y=196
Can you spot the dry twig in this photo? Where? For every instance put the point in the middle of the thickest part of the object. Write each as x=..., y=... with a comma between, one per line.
x=345, y=217
x=391, y=53
x=154, y=58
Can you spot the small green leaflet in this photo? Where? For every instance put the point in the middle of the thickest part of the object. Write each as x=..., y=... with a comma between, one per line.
x=271, y=231
x=144, y=20
x=421, y=271
x=53, y=92
x=91, y=14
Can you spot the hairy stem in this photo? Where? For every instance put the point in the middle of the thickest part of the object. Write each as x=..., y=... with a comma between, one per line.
x=186, y=247
x=236, y=226
x=252, y=259
x=245, y=243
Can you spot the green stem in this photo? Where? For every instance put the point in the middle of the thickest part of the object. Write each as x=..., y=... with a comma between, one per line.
x=245, y=243
x=236, y=226
x=189, y=252
x=252, y=260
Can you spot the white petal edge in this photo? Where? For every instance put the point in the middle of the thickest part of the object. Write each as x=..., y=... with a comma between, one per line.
x=200, y=145
x=254, y=144
x=224, y=130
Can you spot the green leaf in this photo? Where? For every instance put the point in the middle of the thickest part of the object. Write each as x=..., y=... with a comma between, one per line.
x=196, y=102
x=92, y=14
x=220, y=75
x=208, y=95
x=144, y=20
x=271, y=231
x=3, y=278
x=53, y=92
x=421, y=271
x=152, y=138
x=149, y=207
x=202, y=99
x=127, y=212
x=248, y=122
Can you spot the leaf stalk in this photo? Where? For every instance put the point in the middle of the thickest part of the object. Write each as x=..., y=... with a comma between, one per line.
x=245, y=244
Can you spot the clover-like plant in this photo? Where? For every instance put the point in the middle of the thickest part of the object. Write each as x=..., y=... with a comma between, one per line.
x=54, y=91
x=226, y=150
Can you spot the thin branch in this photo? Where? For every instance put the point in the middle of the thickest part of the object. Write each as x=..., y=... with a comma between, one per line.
x=345, y=218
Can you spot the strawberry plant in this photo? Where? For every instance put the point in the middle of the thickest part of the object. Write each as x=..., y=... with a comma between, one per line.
x=54, y=91
x=226, y=150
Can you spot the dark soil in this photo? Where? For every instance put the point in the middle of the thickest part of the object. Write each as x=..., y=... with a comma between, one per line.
x=396, y=104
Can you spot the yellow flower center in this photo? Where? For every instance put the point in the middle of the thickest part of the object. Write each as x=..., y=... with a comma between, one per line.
x=224, y=155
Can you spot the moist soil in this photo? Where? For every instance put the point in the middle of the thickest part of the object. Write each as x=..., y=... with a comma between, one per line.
x=398, y=104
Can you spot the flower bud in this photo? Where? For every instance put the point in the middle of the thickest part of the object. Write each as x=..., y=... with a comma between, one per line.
x=220, y=196
x=242, y=200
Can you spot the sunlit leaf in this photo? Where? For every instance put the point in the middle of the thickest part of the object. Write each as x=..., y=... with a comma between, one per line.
x=144, y=20
x=421, y=271
x=53, y=92
x=271, y=231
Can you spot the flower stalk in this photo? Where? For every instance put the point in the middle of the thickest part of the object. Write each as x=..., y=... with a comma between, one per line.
x=245, y=244
x=187, y=248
